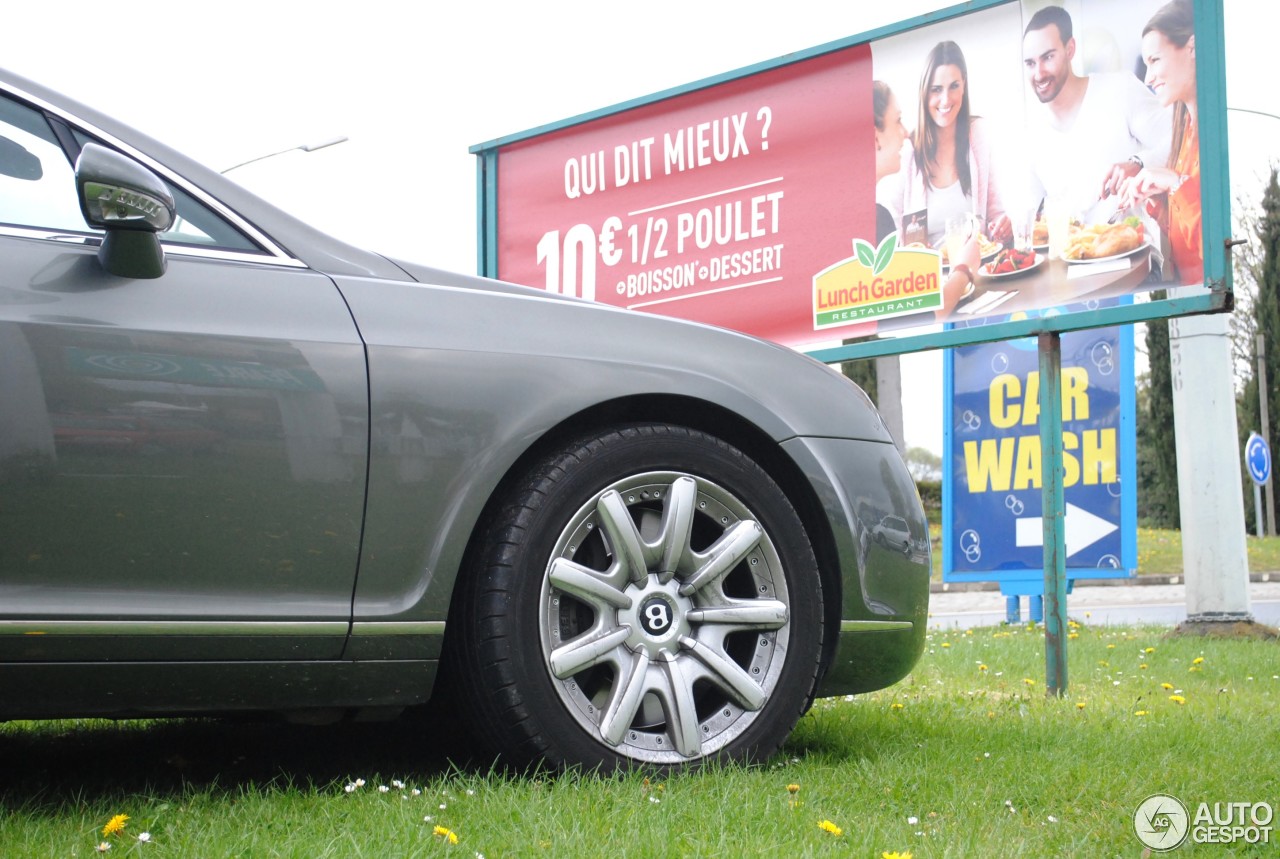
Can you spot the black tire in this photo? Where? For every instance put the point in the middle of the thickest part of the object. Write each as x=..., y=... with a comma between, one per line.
x=597, y=628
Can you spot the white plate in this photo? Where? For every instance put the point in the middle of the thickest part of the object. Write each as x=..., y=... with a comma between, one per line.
x=1109, y=258
x=982, y=269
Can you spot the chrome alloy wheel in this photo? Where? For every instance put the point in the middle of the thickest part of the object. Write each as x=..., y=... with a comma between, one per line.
x=664, y=617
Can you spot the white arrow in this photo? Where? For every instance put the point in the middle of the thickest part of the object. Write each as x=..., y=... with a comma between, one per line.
x=1083, y=529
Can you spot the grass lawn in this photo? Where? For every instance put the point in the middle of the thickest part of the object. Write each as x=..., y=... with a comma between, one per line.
x=965, y=758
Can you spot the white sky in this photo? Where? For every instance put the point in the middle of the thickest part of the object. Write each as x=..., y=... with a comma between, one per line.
x=414, y=85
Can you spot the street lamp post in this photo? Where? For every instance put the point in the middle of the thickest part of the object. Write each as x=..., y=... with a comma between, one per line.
x=305, y=147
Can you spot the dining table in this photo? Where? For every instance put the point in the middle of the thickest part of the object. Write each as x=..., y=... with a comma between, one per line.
x=1057, y=282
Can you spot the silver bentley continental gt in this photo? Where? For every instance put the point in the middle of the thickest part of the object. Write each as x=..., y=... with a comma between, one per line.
x=247, y=468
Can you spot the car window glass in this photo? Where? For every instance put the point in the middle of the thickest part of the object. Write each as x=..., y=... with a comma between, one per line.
x=37, y=183
x=38, y=188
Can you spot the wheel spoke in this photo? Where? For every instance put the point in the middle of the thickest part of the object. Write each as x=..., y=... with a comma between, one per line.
x=627, y=694
x=682, y=713
x=728, y=674
x=677, y=526
x=574, y=656
x=752, y=614
x=586, y=584
x=725, y=554
x=624, y=539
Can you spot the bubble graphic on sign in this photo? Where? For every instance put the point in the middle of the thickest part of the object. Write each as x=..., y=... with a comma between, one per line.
x=1000, y=362
x=971, y=545
x=1108, y=562
x=971, y=420
x=1014, y=505
x=1103, y=357
x=1113, y=488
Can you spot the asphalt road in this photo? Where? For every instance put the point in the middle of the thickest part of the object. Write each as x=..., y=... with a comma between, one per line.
x=1116, y=605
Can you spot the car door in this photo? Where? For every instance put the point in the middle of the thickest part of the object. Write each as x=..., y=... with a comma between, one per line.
x=182, y=459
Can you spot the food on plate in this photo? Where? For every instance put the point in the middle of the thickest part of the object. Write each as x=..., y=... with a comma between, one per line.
x=1040, y=232
x=1099, y=241
x=1010, y=260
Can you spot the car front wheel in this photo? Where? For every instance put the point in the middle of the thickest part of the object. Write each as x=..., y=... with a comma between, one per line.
x=646, y=596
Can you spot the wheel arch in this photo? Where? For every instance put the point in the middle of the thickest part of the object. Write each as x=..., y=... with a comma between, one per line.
x=712, y=419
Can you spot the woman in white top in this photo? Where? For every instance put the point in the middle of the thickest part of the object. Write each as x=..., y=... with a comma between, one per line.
x=949, y=171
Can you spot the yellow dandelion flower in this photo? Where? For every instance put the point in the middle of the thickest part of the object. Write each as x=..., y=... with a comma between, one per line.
x=829, y=827
x=1028, y=681
x=1149, y=650
x=1197, y=660
x=896, y=705
x=982, y=667
x=1166, y=686
x=1139, y=712
x=1073, y=635
x=1143, y=667
x=793, y=788
x=895, y=855
x=114, y=825
x=445, y=833
x=1177, y=699
x=1111, y=647
x=1104, y=663
x=1079, y=705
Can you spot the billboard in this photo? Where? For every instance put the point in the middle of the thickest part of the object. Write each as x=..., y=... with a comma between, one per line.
x=1050, y=152
x=992, y=498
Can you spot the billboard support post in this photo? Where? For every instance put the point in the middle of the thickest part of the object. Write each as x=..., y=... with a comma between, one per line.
x=1053, y=494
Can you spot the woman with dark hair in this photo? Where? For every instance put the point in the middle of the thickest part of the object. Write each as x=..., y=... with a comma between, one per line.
x=890, y=135
x=1171, y=193
x=949, y=172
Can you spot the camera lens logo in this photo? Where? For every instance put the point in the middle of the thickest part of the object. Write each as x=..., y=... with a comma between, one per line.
x=1161, y=822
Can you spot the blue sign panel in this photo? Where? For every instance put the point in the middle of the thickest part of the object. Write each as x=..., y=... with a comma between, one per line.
x=1257, y=458
x=992, y=504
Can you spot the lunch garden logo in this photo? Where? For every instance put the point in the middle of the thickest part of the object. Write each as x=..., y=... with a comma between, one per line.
x=877, y=283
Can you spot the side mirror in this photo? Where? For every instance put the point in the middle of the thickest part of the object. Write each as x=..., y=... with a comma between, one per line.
x=131, y=204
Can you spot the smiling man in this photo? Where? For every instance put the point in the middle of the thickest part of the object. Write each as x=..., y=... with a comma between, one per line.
x=1095, y=130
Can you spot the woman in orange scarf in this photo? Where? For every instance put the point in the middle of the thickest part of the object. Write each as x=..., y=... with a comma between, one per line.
x=1172, y=193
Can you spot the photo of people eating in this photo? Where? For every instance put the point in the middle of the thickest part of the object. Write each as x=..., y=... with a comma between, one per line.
x=1047, y=150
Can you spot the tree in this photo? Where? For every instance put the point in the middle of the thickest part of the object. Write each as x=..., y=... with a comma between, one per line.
x=923, y=464
x=1157, y=446
x=1260, y=263
x=862, y=371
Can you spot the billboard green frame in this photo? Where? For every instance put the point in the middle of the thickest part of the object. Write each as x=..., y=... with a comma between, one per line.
x=1217, y=297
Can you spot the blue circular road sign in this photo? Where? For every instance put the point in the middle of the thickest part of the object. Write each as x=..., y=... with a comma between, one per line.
x=1257, y=458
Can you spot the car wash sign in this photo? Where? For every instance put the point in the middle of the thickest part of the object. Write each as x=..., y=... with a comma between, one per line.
x=993, y=481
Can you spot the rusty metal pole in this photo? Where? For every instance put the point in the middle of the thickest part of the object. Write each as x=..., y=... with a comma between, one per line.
x=1053, y=512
